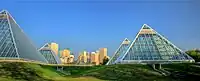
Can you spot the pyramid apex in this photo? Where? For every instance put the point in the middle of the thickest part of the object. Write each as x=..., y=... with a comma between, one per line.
x=46, y=45
x=126, y=39
x=3, y=11
x=145, y=26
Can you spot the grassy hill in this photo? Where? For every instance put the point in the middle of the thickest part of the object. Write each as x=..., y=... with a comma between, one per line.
x=14, y=71
x=138, y=72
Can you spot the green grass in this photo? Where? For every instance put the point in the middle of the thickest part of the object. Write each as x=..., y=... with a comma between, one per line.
x=13, y=71
x=118, y=72
x=183, y=72
x=6, y=79
x=137, y=72
x=185, y=67
x=126, y=73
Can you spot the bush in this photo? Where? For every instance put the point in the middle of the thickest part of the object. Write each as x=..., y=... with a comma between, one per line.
x=195, y=54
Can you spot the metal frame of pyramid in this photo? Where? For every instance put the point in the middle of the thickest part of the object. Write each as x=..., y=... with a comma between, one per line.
x=14, y=42
x=49, y=54
x=153, y=50
x=123, y=46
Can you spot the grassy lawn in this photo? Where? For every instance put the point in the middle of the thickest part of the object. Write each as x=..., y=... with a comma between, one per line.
x=6, y=79
x=119, y=72
x=135, y=72
x=183, y=72
x=27, y=71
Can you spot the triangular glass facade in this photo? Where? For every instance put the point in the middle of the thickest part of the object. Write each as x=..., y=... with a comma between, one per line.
x=122, y=48
x=7, y=47
x=49, y=55
x=14, y=44
x=150, y=47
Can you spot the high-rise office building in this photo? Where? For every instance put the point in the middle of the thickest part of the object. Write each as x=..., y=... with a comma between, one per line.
x=95, y=58
x=66, y=56
x=67, y=60
x=14, y=44
x=71, y=58
x=88, y=57
x=97, y=53
x=79, y=58
x=65, y=53
x=54, y=47
x=102, y=54
x=82, y=58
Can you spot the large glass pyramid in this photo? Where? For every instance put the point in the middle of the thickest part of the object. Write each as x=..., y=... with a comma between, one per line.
x=150, y=47
x=14, y=44
x=122, y=48
x=49, y=54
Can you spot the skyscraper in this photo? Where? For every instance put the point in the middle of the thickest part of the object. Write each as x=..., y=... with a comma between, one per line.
x=95, y=58
x=66, y=56
x=82, y=58
x=152, y=48
x=88, y=57
x=65, y=53
x=54, y=47
x=71, y=58
x=102, y=54
x=14, y=44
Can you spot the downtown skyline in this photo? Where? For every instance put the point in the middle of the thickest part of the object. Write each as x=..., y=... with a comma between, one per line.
x=89, y=26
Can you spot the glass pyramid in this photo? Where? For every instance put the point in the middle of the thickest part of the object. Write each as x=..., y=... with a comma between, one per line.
x=119, y=51
x=151, y=47
x=49, y=54
x=14, y=44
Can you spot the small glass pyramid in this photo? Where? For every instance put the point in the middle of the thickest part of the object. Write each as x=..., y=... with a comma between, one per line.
x=119, y=51
x=49, y=55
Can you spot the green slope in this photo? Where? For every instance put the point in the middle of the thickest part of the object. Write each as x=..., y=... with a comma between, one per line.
x=138, y=72
x=125, y=73
x=183, y=72
x=14, y=71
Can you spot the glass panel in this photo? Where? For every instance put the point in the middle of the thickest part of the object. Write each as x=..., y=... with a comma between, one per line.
x=6, y=42
x=48, y=56
x=154, y=47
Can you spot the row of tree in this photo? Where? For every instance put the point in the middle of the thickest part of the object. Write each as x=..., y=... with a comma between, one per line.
x=195, y=54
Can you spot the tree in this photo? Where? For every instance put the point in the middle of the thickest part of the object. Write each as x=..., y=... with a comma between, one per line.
x=105, y=60
x=195, y=54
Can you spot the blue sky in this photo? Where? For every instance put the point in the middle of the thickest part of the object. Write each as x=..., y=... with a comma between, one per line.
x=89, y=25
